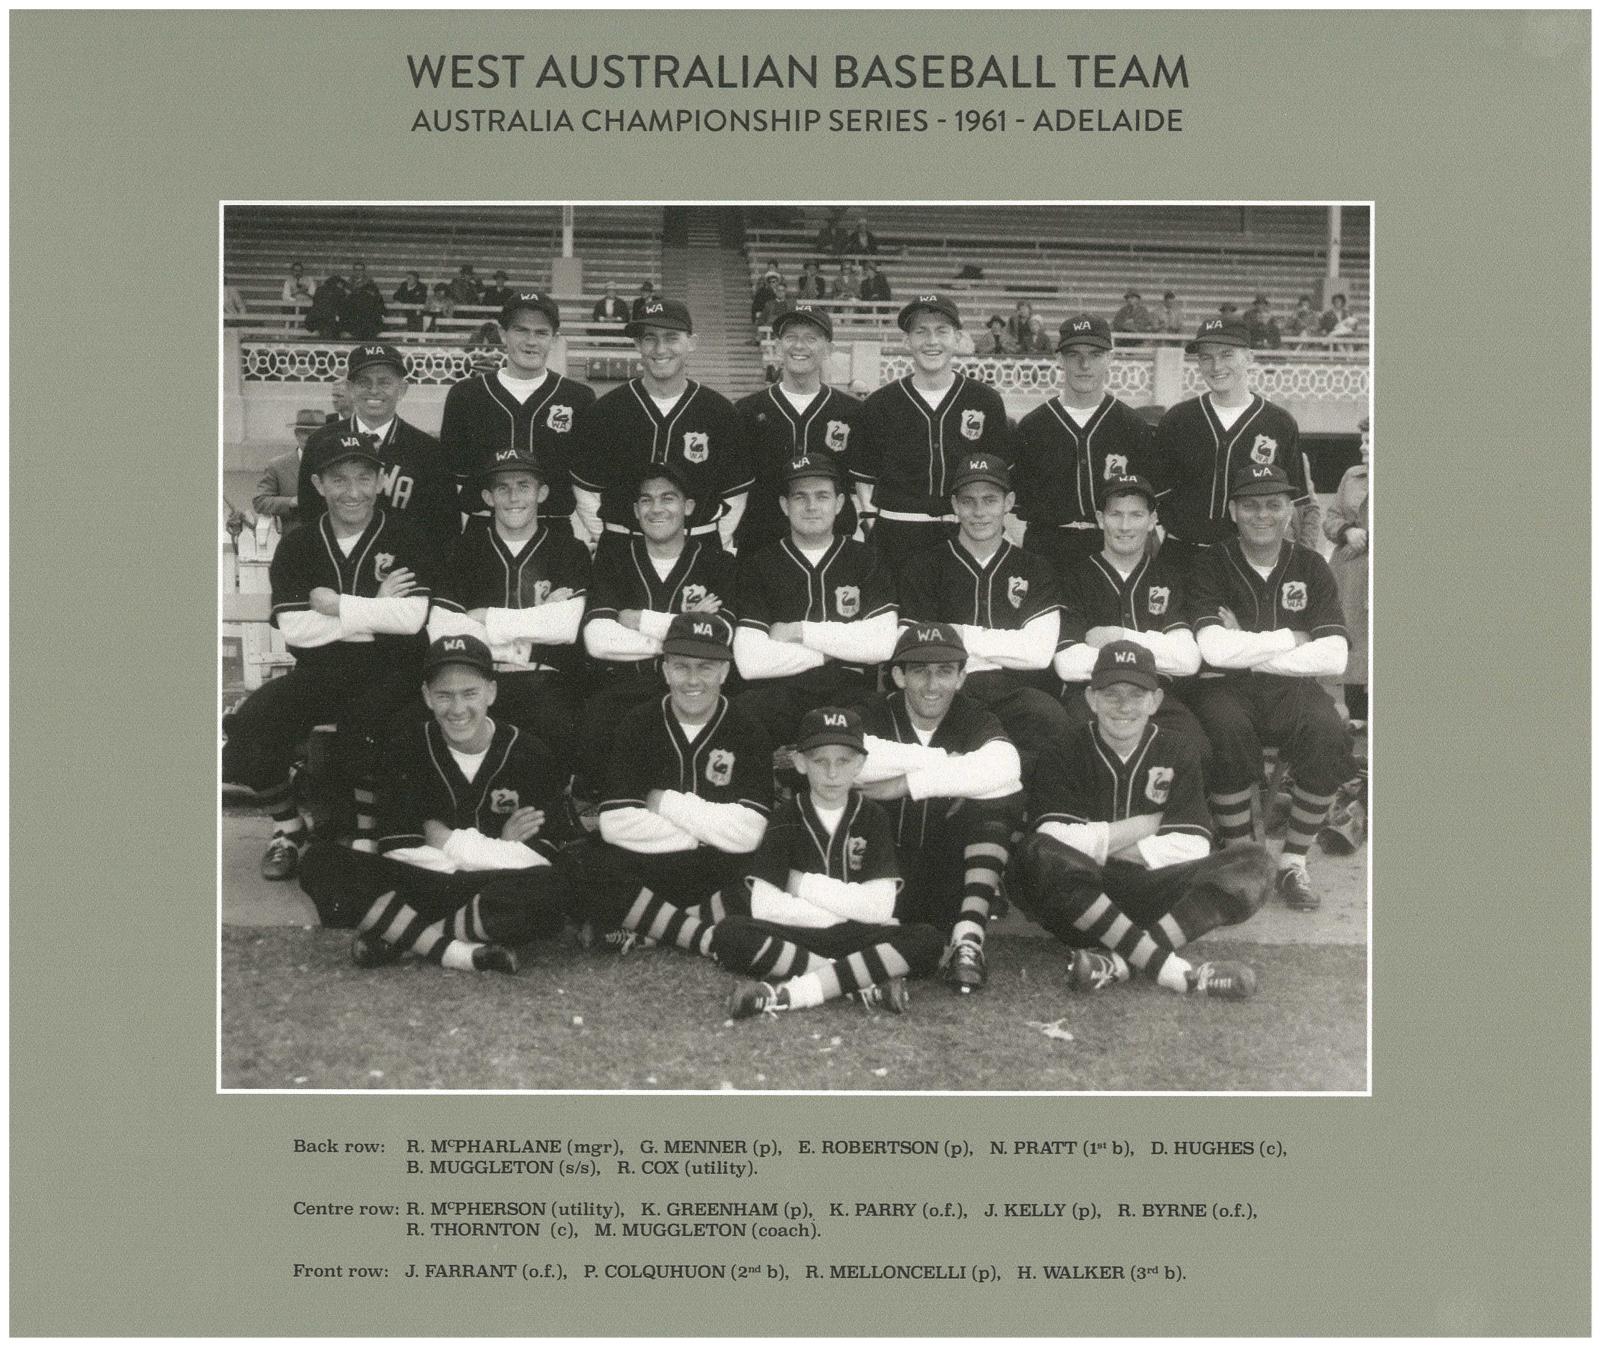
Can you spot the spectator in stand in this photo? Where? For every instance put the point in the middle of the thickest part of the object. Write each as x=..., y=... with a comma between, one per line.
x=498, y=293
x=361, y=312
x=323, y=316
x=275, y=494
x=996, y=341
x=464, y=288
x=441, y=305
x=414, y=293
x=232, y=302
x=763, y=292
x=861, y=241
x=1303, y=321
x=1133, y=316
x=831, y=237
x=1336, y=317
x=484, y=345
x=647, y=292
x=874, y=284
x=1262, y=326
x=1348, y=529
x=1017, y=323
x=611, y=309
x=1038, y=342
x=812, y=285
x=1169, y=317
x=296, y=289
x=848, y=286
x=776, y=303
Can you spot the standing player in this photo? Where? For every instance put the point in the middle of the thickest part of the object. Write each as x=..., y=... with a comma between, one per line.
x=1069, y=447
x=519, y=586
x=1005, y=602
x=463, y=874
x=915, y=430
x=414, y=480
x=524, y=405
x=953, y=782
x=1119, y=864
x=819, y=912
x=663, y=416
x=350, y=595
x=1266, y=613
x=816, y=611
x=797, y=417
x=1202, y=444
x=686, y=801
x=635, y=593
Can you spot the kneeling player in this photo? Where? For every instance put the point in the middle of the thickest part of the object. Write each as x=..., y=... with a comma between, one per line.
x=461, y=875
x=822, y=892
x=1119, y=865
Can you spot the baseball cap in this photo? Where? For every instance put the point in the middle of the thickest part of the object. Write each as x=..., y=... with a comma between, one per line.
x=668, y=471
x=364, y=357
x=658, y=312
x=323, y=454
x=1084, y=330
x=466, y=650
x=1131, y=294
x=535, y=300
x=514, y=459
x=1128, y=486
x=1260, y=479
x=930, y=643
x=1222, y=332
x=1125, y=661
x=830, y=724
x=981, y=467
x=700, y=635
x=938, y=303
x=804, y=311
x=812, y=465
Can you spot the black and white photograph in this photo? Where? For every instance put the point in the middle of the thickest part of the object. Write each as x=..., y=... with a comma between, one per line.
x=795, y=647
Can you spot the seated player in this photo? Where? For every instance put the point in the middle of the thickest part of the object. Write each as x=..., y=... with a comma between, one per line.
x=1119, y=863
x=518, y=584
x=822, y=891
x=350, y=594
x=953, y=782
x=1006, y=603
x=634, y=594
x=462, y=874
x=1124, y=593
x=816, y=611
x=1266, y=614
x=686, y=802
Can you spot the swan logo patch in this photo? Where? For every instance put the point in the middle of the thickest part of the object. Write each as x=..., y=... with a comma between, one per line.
x=559, y=419
x=696, y=446
x=502, y=801
x=855, y=853
x=847, y=598
x=1017, y=590
x=382, y=564
x=971, y=424
x=1294, y=596
x=1158, y=784
x=1264, y=450
x=1160, y=596
x=838, y=435
x=719, y=766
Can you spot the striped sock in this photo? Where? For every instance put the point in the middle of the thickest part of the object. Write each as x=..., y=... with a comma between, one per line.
x=778, y=959
x=1231, y=813
x=396, y=922
x=1307, y=813
x=985, y=862
x=871, y=966
x=667, y=924
x=366, y=836
x=280, y=804
x=1104, y=921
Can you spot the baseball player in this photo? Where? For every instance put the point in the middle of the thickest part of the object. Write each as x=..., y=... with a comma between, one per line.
x=816, y=611
x=524, y=405
x=686, y=802
x=663, y=416
x=915, y=430
x=1069, y=447
x=1006, y=603
x=1123, y=592
x=1266, y=615
x=817, y=921
x=635, y=593
x=1201, y=444
x=350, y=595
x=414, y=479
x=797, y=417
x=463, y=873
x=518, y=584
x=1119, y=862
x=953, y=781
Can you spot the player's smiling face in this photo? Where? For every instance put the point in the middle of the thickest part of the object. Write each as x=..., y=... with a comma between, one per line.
x=375, y=393
x=931, y=339
x=929, y=689
x=830, y=771
x=1122, y=710
x=350, y=488
x=803, y=349
x=1128, y=521
x=529, y=337
x=459, y=698
x=661, y=509
x=811, y=505
x=1225, y=368
x=695, y=684
x=1084, y=370
x=665, y=353
x=981, y=511
x=1262, y=520
x=515, y=498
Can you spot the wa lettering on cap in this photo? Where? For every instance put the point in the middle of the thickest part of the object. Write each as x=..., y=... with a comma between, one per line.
x=1082, y=325
x=1211, y=324
x=350, y=442
x=455, y=643
x=1123, y=657
x=704, y=629
x=654, y=306
x=834, y=720
x=929, y=634
x=927, y=298
x=1260, y=473
x=503, y=455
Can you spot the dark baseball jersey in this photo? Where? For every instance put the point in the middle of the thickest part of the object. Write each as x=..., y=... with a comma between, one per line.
x=483, y=572
x=625, y=578
x=1060, y=467
x=848, y=584
x=778, y=435
x=1094, y=593
x=423, y=782
x=413, y=480
x=860, y=849
x=1300, y=594
x=728, y=762
x=481, y=418
x=311, y=558
x=624, y=432
x=1196, y=459
x=1084, y=780
x=966, y=727
x=909, y=451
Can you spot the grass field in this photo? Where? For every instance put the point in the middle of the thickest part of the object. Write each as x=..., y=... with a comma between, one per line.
x=298, y=1015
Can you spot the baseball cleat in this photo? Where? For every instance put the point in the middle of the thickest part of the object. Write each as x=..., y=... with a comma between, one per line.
x=1223, y=981
x=966, y=969
x=1295, y=889
x=1095, y=970
x=282, y=859
x=367, y=950
x=494, y=958
x=893, y=996
x=750, y=998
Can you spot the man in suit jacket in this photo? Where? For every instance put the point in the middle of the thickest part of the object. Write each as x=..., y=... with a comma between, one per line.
x=277, y=491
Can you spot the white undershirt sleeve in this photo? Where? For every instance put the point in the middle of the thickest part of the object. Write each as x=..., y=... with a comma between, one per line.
x=1089, y=838
x=1031, y=647
x=1076, y=662
x=758, y=656
x=472, y=851
x=1173, y=848
x=654, y=624
x=546, y=624
x=1324, y=657
x=729, y=827
x=888, y=758
x=866, y=642
x=773, y=904
x=1222, y=648
x=642, y=831
x=607, y=638
x=871, y=902
x=991, y=772
x=447, y=622
x=1176, y=653
x=309, y=629
x=382, y=616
